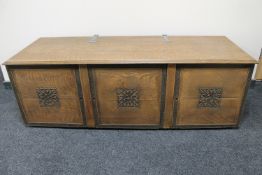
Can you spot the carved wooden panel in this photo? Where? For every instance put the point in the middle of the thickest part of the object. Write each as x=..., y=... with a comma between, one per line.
x=127, y=95
x=48, y=95
x=210, y=95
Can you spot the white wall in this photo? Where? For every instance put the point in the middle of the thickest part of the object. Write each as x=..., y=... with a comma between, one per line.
x=23, y=21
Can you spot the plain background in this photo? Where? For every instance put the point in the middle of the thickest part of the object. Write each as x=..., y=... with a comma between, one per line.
x=23, y=21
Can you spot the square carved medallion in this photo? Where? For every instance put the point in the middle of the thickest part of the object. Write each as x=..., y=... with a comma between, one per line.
x=210, y=97
x=127, y=97
x=48, y=97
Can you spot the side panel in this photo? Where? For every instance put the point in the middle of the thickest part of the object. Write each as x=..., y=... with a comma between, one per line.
x=259, y=68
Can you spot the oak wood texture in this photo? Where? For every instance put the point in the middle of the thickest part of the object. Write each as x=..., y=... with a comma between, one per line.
x=169, y=99
x=84, y=78
x=259, y=68
x=26, y=81
x=146, y=80
x=131, y=82
x=232, y=81
x=132, y=49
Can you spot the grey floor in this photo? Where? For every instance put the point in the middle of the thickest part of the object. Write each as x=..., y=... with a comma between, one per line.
x=26, y=151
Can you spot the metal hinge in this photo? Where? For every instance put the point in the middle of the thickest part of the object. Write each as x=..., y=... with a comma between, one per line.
x=94, y=38
x=165, y=38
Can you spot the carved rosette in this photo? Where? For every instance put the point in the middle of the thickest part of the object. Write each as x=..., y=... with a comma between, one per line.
x=127, y=97
x=210, y=97
x=48, y=97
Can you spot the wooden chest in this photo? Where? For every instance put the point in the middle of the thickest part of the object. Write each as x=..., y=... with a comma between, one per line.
x=131, y=82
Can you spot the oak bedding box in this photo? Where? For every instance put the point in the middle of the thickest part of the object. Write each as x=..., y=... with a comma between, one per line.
x=142, y=82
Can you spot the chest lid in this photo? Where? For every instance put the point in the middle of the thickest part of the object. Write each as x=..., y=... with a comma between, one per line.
x=132, y=50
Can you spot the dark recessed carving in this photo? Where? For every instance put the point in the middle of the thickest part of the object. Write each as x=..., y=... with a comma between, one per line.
x=210, y=97
x=48, y=97
x=127, y=97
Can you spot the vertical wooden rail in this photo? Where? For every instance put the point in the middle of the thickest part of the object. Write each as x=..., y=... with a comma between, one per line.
x=169, y=100
x=259, y=68
x=84, y=78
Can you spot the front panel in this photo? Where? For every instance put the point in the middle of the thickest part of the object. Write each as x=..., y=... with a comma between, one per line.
x=128, y=96
x=132, y=96
x=210, y=95
x=47, y=95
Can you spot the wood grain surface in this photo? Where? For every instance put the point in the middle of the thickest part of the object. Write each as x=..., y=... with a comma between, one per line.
x=128, y=49
x=140, y=91
x=190, y=114
x=232, y=82
x=127, y=81
x=169, y=99
x=84, y=77
x=259, y=68
x=27, y=82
